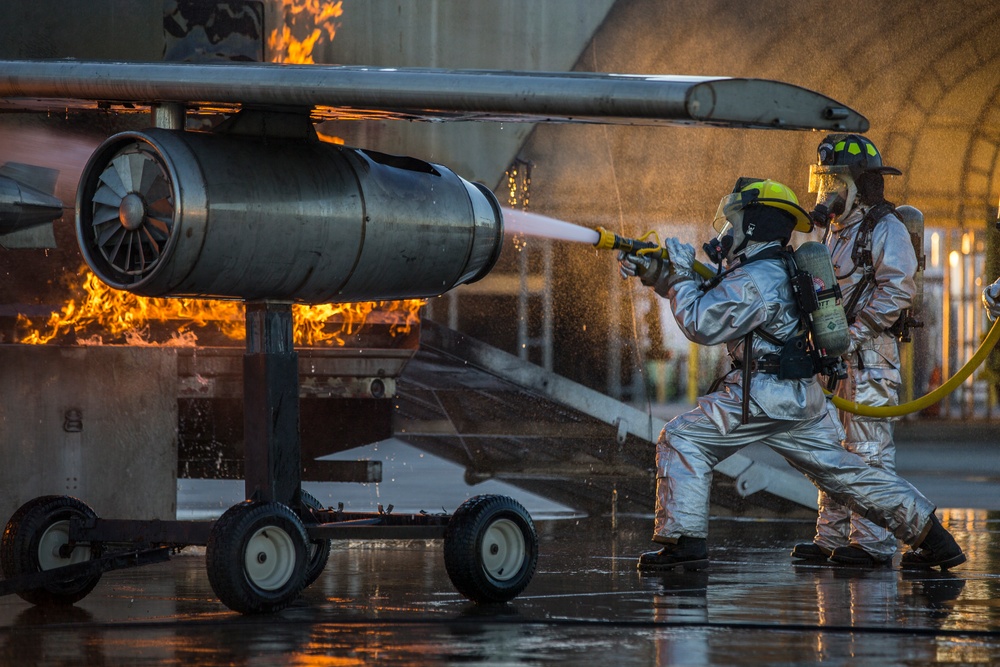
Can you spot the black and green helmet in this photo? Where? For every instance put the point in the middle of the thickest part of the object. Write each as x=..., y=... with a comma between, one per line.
x=855, y=152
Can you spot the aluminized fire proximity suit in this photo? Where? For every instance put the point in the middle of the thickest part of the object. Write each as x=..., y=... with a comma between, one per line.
x=872, y=362
x=790, y=416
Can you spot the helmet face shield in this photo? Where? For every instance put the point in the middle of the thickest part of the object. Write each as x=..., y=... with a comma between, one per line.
x=726, y=214
x=824, y=179
x=835, y=189
x=728, y=223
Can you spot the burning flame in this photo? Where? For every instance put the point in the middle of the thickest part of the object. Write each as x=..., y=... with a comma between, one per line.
x=127, y=317
x=308, y=23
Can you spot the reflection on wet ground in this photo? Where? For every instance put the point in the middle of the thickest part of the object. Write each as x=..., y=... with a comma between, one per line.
x=392, y=603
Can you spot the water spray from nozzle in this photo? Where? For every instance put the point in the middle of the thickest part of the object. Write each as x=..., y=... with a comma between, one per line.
x=533, y=224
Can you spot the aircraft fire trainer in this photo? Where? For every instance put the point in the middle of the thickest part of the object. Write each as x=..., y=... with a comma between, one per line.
x=260, y=210
x=164, y=213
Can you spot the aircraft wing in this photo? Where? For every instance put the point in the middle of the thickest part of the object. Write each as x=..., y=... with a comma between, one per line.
x=340, y=92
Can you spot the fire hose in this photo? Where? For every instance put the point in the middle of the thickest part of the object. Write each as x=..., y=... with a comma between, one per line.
x=610, y=241
x=931, y=397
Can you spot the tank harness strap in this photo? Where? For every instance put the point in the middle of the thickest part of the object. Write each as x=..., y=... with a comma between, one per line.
x=763, y=365
x=795, y=358
x=861, y=255
x=745, y=407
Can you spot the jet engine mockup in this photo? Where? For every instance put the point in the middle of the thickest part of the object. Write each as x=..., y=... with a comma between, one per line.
x=178, y=213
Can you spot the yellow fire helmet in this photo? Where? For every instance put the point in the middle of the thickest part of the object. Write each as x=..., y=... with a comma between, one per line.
x=762, y=192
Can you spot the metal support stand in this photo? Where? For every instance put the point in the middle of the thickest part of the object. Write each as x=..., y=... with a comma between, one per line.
x=271, y=405
x=273, y=474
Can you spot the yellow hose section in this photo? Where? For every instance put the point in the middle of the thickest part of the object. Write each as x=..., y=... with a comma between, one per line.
x=933, y=397
x=702, y=270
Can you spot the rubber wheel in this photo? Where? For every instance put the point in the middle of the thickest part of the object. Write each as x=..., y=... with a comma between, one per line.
x=319, y=550
x=490, y=549
x=32, y=541
x=256, y=557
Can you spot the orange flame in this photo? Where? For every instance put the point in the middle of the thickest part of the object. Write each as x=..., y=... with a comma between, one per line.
x=308, y=23
x=126, y=318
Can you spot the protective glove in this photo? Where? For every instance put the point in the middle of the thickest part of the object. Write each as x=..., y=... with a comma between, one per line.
x=681, y=261
x=991, y=300
x=646, y=268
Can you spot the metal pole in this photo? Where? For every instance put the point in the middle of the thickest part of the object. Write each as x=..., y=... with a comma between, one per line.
x=522, y=304
x=615, y=343
x=693, y=361
x=273, y=468
x=548, y=317
x=168, y=115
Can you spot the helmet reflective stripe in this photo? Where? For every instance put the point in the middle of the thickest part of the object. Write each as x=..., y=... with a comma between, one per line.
x=855, y=149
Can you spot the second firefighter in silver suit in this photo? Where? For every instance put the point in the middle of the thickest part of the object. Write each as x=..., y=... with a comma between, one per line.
x=875, y=264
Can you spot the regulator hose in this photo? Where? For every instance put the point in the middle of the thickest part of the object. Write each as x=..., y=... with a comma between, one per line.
x=930, y=398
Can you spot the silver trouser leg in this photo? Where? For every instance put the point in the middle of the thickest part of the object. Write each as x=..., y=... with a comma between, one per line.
x=688, y=448
x=872, y=441
x=875, y=384
x=837, y=525
x=876, y=494
x=833, y=522
x=683, y=478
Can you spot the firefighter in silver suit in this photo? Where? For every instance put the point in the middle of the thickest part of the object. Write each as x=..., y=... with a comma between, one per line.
x=752, y=310
x=875, y=264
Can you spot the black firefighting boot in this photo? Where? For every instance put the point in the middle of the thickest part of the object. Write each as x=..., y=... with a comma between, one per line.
x=855, y=556
x=810, y=551
x=689, y=553
x=938, y=549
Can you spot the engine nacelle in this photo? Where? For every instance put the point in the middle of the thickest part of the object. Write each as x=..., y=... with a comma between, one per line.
x=174, y=213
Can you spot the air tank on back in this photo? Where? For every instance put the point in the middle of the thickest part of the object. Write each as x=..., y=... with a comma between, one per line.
x=913, y=219
x=179, y=213
x=828, y=323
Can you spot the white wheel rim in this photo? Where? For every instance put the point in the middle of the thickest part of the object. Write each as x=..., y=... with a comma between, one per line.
x=270, y=558
x=54, y=537
x=503, y=550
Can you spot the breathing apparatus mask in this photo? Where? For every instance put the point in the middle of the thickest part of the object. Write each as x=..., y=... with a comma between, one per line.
x=835, y=192
x=728, y=218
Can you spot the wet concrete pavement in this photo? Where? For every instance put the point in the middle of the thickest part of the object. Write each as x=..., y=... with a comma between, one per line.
x=392, y=603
